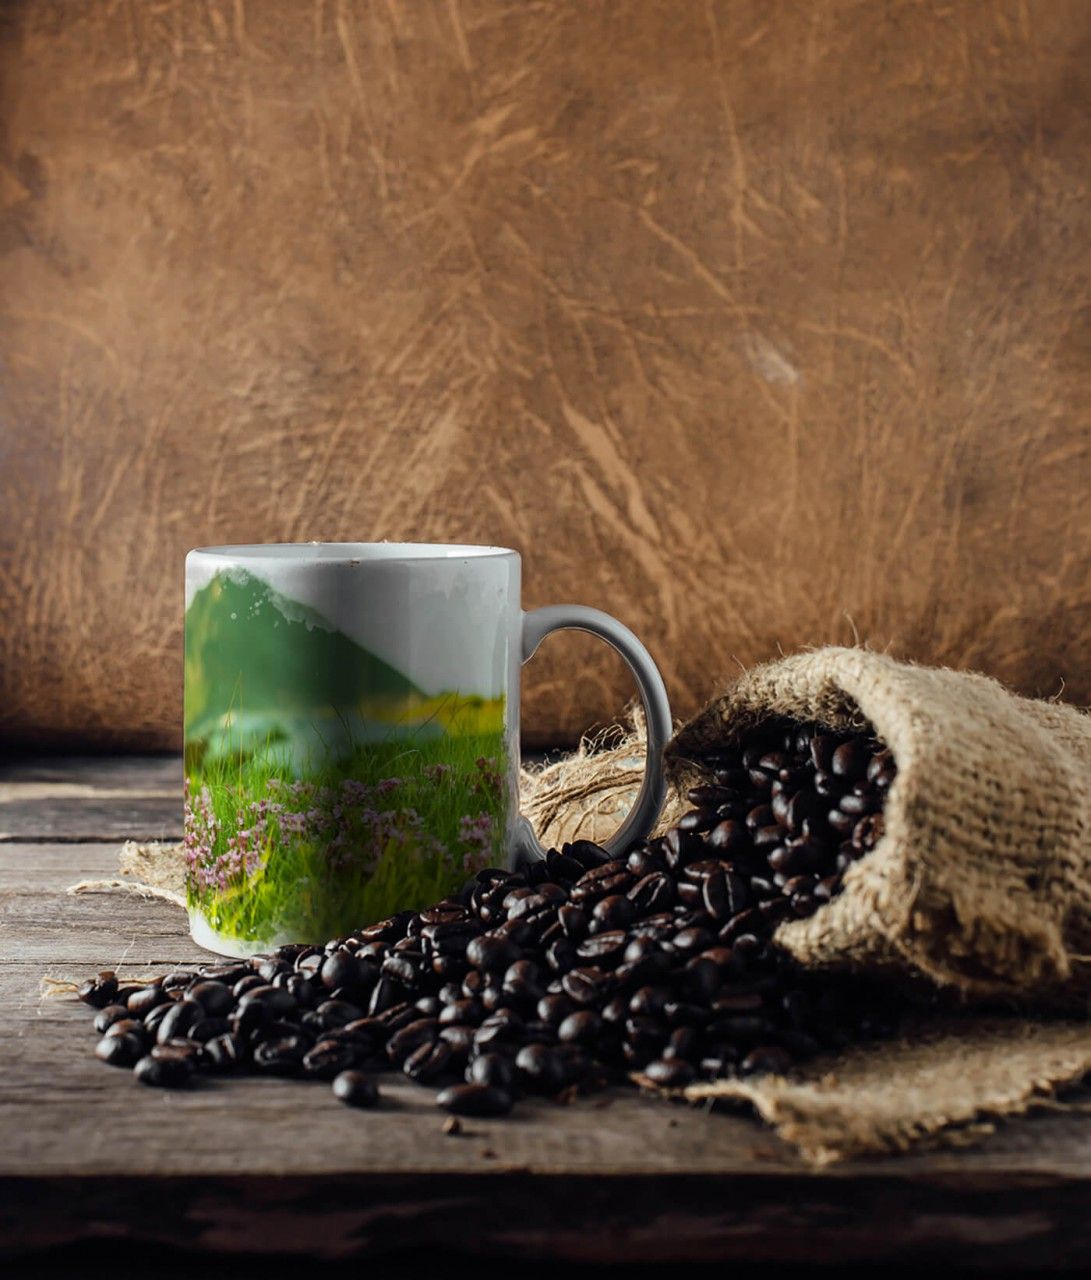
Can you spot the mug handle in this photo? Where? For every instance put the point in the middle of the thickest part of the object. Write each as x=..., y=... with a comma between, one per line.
x=540, y=623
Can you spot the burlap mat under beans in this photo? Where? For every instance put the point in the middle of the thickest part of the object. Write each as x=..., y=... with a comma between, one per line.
x=980, y=885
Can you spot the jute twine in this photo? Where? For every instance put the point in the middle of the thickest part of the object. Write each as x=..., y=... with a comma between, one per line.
x=980, y=886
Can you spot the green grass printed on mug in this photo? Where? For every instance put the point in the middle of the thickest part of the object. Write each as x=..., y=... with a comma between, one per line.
x=392, y=827
x=324, y=789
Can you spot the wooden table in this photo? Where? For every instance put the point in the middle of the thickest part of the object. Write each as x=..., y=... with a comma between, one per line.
x=256, y=1166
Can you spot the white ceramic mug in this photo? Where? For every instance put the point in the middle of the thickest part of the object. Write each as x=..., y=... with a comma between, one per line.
x=352, y=731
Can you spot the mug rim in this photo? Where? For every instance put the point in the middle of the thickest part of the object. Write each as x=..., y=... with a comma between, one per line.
x=355, y=552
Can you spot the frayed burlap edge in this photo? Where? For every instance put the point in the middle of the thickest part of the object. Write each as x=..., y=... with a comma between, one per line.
x=944, y=1084
x=151, y=870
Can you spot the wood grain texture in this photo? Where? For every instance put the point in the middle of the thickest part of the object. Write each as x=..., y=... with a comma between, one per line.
x=750, y=324
x=272, y=1166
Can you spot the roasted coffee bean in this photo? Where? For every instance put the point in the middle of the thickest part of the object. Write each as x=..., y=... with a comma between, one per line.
x=491, y=954
x=128, y=1027
x=604, y=948
x=698, y=820
x=562, y=868
x=604, y=881
x=555, y=1008
x=475, y=1099
x=652, y=894
x=402, y=1043
x=540, y=1069
x=206, y=1029
x=224, y=1053
x=142, y=1002
x=574, y=921
x=276, y=1000
x=249, y=983
x=492, y=1069
x=586, y=853
x=850, y=760
x=100, y=990
x=612, y=912
x=429, y=1062
x=766, y=1057
x=179, y=1048
x=586, y=986
x=462, y=1012
x=214, y=997
x=329, y=1058
x=164, y=1073
x=681, y=847
x=692, y=939
x=281, y=1057
x=355, y=1089
x=582, y=1027
x=643, y=861
x=106, y=1017
x=670, y=1073
x=729, y=837
x=683, y=1042
x=120, y=1050
x=178, y=1020
x=385, y=995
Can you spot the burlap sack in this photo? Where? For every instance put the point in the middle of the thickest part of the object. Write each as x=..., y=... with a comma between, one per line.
x=982, y=881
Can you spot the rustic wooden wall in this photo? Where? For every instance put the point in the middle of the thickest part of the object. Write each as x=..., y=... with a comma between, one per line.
x=752, y=321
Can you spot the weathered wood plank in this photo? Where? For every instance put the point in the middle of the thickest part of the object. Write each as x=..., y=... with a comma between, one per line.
x=92, y=818
x=130, y=773
x=67, y=1095
x=271, y=1165
x=862, y=1219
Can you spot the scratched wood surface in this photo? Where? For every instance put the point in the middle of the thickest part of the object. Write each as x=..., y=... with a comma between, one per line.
x=266, y=1166
x=751, y=323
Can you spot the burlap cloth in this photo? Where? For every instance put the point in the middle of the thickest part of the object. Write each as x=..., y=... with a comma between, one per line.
x=981, y=886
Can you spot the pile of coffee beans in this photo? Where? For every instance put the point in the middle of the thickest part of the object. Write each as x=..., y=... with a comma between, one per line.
x=576, y=971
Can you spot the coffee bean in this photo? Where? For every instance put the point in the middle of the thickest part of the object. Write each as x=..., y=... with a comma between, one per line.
x=474, y=1099
x=850, y=760
x=224, y=1053
x=355, y=1089
x=729, y=837
x=107, y=1016
x=582, y=1027
x=99, y=991
x=164, y=1073
x=491, y=954
x=586, y=853
x=604, y=947
x=411, y=1037
x=539, y=1069
x=771, y=1058
x=120, y=1050
x=586, y=986
x=143, y=1001
x=429, y=1062
x=492, y=1069
x=670, y=1073
x=178, y=1020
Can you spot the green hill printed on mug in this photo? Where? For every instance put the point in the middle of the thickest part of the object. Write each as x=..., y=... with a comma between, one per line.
x=324, y=788
x=266, y=675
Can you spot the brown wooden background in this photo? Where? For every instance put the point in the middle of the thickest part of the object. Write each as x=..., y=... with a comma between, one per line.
x=739, y=319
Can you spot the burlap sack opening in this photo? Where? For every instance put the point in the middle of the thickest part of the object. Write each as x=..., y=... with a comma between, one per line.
x=982, y=881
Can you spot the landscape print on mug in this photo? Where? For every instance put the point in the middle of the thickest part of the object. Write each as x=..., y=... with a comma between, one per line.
x=324, y=789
